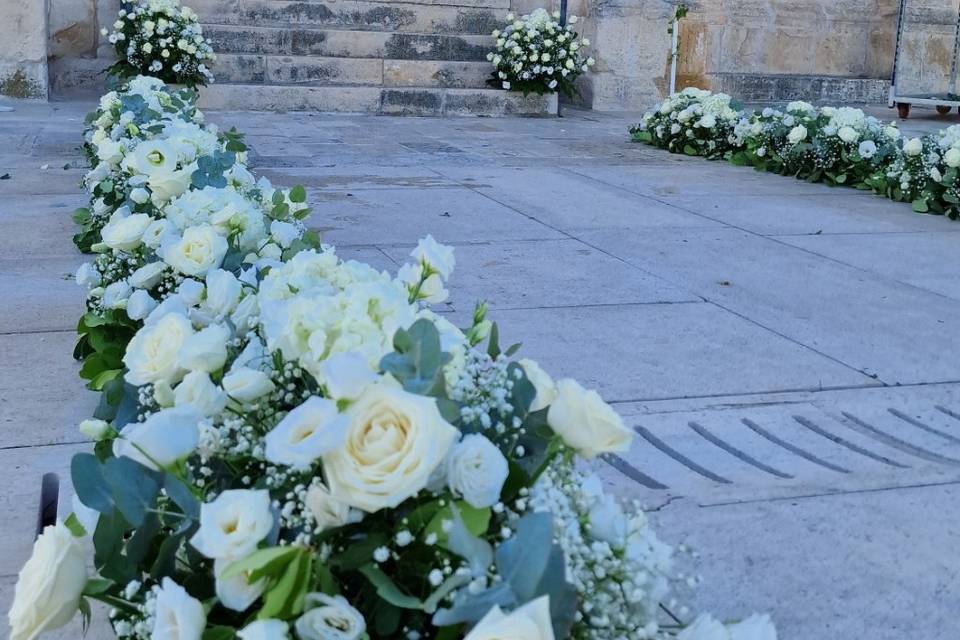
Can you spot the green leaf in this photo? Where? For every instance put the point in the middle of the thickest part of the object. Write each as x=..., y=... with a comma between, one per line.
x=135, y=487
x=920, y=205
x=96, y=586
x=493, y=345
x=89, y=482
x=74, y=525
x=475, y=520
x=269, y=562
x=389, y=591
x=298, y=194
x=219, y=633
x=285, y=598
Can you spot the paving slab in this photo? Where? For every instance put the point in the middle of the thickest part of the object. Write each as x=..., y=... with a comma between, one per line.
x=896, y=332
x=551, y=273
x=926, y=260
x=38, y=226
x=43, y=294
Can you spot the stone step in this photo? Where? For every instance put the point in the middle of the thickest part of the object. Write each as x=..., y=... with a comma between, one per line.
x=347, y=43
x=413, y=101
x=368, y=15
x=320, y=70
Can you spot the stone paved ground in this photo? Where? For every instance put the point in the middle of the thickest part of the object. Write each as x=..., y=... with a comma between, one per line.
x=787, y=352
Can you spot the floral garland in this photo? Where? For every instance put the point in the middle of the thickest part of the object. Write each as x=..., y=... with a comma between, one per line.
x=299, y=448
x=838, y=146
x=160, y=38
x=535, y=53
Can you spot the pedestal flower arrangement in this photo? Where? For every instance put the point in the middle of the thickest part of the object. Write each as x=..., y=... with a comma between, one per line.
x=536, y=54
x=163, y=39
x=294, y=446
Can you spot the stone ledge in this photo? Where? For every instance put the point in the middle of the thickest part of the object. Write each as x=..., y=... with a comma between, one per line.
x=754, y=87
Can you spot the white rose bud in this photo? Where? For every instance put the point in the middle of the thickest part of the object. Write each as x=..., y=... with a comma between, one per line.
x=178, y=616
x=205, y=350
x=140, y=195
x=310, y=430
x=125, y=233
x=140, y=305
x=246, y=385
x=50, y=584
x=530, y=622
x=951, y=157
x=88, y=276
x=198, y=392
x=542, y=382
x=148, y=275
x=476, y=470
x=913, y=147
x=586, y=423
x=95, y=429
x=161, y=440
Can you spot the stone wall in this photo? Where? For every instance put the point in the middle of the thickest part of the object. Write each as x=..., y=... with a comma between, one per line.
x=23, y=49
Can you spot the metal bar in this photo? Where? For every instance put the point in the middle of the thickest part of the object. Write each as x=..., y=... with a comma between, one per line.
x=673, y=55
x=956, y=50
x=896, y=52
x=563, y=23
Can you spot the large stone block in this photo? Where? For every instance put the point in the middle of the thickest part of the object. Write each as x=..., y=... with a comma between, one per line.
x=23, y=49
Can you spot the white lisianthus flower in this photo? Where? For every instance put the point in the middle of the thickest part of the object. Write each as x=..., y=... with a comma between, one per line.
x=476, y=470
x=88, y=276
x=198, y=392
x=284, y=233
x=158, y=232
x=309, y=431
x=178, y=615
x=265, y=630
x=205, y=350
x=327, y=512
x=345, y=375
x=244, y=384
x=608, y=521
x=797, y=134
x=951, y=158
x=197, y=251
x=892, y=132
x=542, y=382
x=148, y=275
x=587, y=423
x=161, y=440
x=848, y=134
x=152, y=353
x=236, y=592
x=223, y=292
x=913, y=147
x=94, y=428
x=705, y=627
x=125, y=233
x=190, y=291
x=233, y=524
x=867, y=149
x=530, y=622
x=139, y=195
x=329, y=618
x=394, y=442
x=50, y=584
x=140, y=304
x=116, y=294
x=438, y=256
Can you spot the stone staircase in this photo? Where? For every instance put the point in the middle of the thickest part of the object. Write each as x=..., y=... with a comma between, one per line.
x=369, y=56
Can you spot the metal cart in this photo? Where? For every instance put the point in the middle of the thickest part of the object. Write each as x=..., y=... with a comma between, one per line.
x=943, y=102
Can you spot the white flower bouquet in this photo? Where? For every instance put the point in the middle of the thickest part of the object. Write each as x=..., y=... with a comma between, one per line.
x=536, y=54
x=297, y=447
x=162, y=39
x=694, y=122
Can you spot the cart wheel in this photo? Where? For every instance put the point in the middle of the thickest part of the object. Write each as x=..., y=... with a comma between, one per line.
x=943, y=109
x=903, y=110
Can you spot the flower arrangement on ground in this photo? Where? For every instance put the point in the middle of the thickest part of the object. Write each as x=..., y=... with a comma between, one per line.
x=162, y=39
x=298, y=447
x=694, y=122
x=536, y=54
x=839, y=146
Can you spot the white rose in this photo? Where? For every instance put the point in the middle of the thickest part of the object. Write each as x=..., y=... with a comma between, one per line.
x=233, y=524
x=140, y=305
x=191, y=291
x=529, y=622
x=198, y=391
x=951, y=157
x=205, y=350
x=326, y=511
x=125, y=233
x=913, y=147
x=116, y=294
x=685, y=116
x=223, y=292
x=310, y=430
x=88, y=276
x=161, y=440
x=708, y=121
x=587, y=423
x=49, y=586
x=438, y=256
x=152, y=353
x=158, y=232
x=148, y=275
x=246, y=385
x=200, y=249
x=168, y=185
x=329, y=618
x=110, y=151
x=395, y=441
x=476, y=470
x=542, y=382
x=797, y=134
x=284, y=233
x=178, y=616
x=705, y=627
x=95, y=429
x=345, y=375
x=848, y=134
x=892, y=132
x=265, y=630
x=139, y=195
x=171, y=304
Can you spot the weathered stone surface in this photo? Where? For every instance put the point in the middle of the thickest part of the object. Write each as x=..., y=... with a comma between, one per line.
x=431, y=73
x=23, y=50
